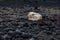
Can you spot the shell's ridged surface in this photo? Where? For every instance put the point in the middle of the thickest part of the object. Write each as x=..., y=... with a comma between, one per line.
x=33, y=16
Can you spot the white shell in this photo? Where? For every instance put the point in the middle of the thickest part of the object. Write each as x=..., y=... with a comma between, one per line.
x=34, y=16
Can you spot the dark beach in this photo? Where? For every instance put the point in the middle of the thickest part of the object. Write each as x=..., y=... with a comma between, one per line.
x=14, y=24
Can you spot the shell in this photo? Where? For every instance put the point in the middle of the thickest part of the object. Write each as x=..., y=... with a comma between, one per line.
x=34, y=16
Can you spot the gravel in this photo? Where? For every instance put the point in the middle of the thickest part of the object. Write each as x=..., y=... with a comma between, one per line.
x=14, y=24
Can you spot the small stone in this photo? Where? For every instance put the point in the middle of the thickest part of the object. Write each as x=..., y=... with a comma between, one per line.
x=34, y=16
